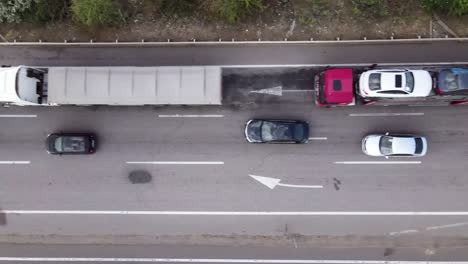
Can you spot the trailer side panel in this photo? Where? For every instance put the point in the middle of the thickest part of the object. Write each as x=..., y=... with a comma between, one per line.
x=134, y=85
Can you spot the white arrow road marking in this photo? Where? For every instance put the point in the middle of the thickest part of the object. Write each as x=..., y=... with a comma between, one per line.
x=278, y=91
x=429, y=228
x=403, y=232
x=18, y=115
x=273, y=182
x=446, y=226
x=388, y=114
x=177, y=162
x=208, y=260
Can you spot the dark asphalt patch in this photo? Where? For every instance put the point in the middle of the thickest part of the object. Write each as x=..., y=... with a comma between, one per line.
x=238, y=85
x=336, y=184
x=139, y=177
x=388, y=252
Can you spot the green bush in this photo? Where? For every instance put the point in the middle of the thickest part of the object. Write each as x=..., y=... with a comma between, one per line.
x=179, y=7
x=11, y=11
x=311, y=12
x=43, y=11
x=370, y=8
x=93, y=13
x=234, y=10
x=452, y=7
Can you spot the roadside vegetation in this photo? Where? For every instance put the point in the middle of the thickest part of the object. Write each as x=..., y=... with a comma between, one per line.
x=125, y=17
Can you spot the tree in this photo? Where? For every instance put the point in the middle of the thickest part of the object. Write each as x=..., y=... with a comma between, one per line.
x=11, y=11
x=93, y=13
x=43, y=11
x=370, y=8
x=452, y=7
x=233, y=10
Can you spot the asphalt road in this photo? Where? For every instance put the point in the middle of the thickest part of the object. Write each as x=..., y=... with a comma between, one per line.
x=222, y=254
x=254, y=54
x=89, y=199
x=99, y=183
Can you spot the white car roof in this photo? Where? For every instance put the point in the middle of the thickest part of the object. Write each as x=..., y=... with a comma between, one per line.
x=403, y=145
x=387, y=82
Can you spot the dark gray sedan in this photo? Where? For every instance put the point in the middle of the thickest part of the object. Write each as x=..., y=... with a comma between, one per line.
x=276, y=131
x=71, y=143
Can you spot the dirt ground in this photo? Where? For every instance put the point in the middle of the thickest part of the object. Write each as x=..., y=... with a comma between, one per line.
x=293, y=19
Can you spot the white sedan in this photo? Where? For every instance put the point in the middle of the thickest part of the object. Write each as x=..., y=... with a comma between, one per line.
x=395, y=83
x=387, y=145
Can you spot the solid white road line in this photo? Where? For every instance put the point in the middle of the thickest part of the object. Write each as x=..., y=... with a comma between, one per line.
x=388, y=114
x=177, y=162
x=208, y=260
x=176, y=115
x=393, y=65
x=14, y=162
x=377, y=162
x=318, y=138
x=238, y=213
x=18, y=115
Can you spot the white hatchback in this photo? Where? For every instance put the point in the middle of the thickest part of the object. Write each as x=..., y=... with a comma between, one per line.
x=395, y=83
x=391, y=145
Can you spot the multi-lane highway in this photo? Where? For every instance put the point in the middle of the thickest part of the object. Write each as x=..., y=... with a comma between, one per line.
x=201, y=192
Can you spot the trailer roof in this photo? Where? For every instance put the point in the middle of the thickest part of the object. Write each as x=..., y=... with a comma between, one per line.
x=134, y=85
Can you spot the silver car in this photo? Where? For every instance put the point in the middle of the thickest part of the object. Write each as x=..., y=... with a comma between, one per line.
x=393, y=145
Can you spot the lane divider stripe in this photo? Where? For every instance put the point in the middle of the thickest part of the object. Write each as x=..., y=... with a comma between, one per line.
x=238, y=213
x=377, y=162
x=176, y=115
x=18, y=115
x=177, y=162
x=14, y=162
x=388, y=114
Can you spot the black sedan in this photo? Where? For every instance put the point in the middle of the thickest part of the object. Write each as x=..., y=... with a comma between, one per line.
x=71, y=143
x=276, y=131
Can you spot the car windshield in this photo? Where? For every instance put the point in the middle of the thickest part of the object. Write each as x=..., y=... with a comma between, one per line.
x=409, y=82
x=450, y=81
x=453, y=80
x=70, y=144
x=385, y=145
x=374, y=81
x=419, y=145
x=298, y=132
x=254, y=131
x=277, y=131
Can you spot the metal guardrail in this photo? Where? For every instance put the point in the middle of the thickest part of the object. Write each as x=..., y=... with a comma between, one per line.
x=195, y=42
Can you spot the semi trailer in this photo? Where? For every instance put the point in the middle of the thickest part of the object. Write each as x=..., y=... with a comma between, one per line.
x=119, y=86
